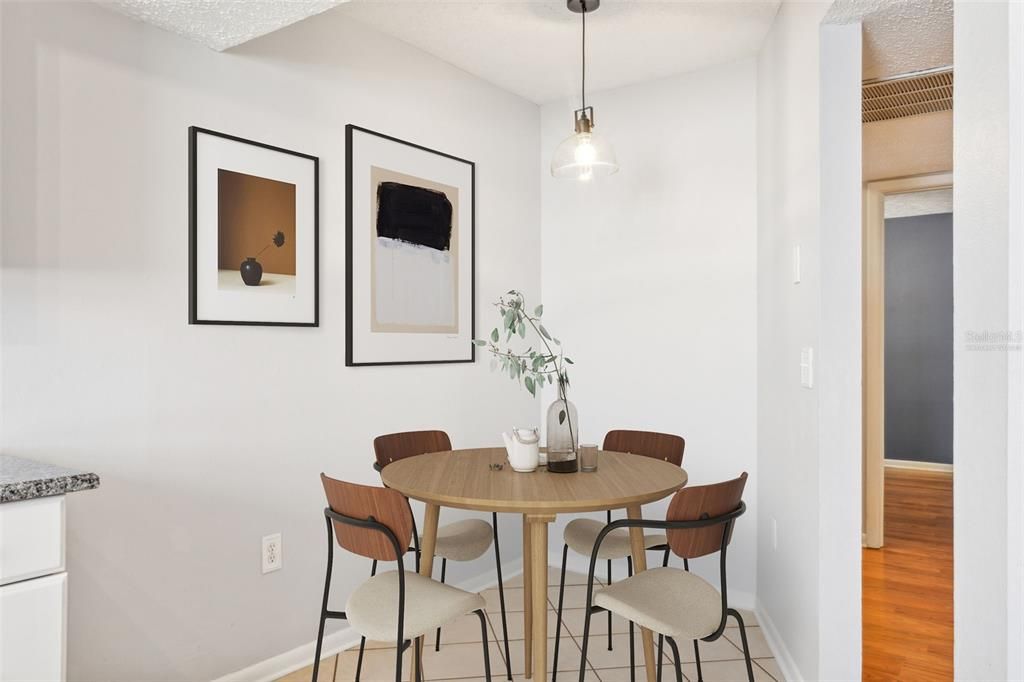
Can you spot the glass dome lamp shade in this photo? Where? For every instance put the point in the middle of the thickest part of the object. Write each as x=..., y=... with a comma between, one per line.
x=585, y=154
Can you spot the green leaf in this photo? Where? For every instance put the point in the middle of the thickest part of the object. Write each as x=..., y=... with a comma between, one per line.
x=557, y=342
x=569, y=360
x=544, y=332
x=561, y=416
x=522, y=330
x=479, y=342
x=530, y=386
x=538, y=311
x=494, y=364
x=494, y=335
x=540, y=380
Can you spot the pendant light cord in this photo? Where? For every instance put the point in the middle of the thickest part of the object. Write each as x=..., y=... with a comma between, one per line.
x=583, y=54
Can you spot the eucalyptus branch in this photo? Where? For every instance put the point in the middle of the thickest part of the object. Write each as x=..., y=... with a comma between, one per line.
x=530, y=368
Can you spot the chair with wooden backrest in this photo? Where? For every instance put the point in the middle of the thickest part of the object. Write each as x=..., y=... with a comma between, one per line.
x=377, y=523
x=673, y=602
x=580, y=534
x=464, y=540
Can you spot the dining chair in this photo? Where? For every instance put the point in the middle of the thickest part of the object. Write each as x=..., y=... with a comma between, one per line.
x=675, y=603
x=464, y=540
x=377, y=523
x=581, y=534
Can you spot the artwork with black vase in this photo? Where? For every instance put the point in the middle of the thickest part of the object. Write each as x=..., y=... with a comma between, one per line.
x=253, y=246
x=542, y=363
x=251, y=269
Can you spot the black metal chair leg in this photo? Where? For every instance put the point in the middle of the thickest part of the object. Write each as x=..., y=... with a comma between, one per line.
x=632, y=644
x=675, y=657
x=323, y=606
x=609, y=584
x=398, y=664
x=586, y=641
x=661, y=654
x=743, y=637
x=696, y=658
x=437, y=635
x=558, y=623
x=501, y=595
x=362, y=640
x=661, y=638
x=483, y=638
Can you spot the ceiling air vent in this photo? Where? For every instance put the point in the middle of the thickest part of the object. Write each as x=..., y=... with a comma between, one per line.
x=909, y=94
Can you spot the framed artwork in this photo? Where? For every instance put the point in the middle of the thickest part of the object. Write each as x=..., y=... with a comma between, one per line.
x=410, y=244
x=253, y=223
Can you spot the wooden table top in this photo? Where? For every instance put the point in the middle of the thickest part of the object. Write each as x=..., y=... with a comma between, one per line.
x=463, y=479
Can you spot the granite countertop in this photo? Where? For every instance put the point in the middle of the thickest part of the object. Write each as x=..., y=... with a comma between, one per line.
x=25, y=479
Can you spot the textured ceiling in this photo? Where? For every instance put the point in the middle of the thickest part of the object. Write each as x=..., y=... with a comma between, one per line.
x=919, y=203
x=900, y=35
x=220, y=24
x=532, y=47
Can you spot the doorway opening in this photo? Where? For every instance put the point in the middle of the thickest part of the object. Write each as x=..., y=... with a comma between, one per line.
x=907, y=563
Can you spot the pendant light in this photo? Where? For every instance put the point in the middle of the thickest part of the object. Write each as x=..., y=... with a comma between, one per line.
x=584, y=154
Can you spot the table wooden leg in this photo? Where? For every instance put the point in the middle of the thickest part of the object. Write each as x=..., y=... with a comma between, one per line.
x=539, y=592
x=427, y=548
x=636, y=537
x=527, y=600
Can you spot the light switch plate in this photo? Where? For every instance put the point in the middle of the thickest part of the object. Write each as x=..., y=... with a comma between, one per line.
x=807, y=367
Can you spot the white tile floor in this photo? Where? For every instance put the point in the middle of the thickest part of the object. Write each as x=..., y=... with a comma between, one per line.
x=461, y=655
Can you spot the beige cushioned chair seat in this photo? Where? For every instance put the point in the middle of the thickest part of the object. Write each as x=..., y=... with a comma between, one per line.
x=669, y=601
x=372, y=609
x=463, y=540
x=581, y=534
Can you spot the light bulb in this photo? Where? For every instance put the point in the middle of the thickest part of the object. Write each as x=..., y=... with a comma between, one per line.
x=585, y=154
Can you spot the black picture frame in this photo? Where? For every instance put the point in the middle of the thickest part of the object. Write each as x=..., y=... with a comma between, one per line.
x=193, y=318
x=350, y=129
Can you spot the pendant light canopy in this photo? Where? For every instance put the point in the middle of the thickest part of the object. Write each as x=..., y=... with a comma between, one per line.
x=585, y=153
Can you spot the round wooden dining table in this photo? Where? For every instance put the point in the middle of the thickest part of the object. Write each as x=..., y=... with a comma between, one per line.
x=464, y=479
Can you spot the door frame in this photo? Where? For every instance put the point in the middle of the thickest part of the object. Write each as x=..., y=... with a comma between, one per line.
x=874, y=341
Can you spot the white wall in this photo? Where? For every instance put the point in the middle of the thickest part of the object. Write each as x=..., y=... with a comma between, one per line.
x=839, y=366
x=649, y=277
x=982, y=280
x=788, y=318
x=207, y=438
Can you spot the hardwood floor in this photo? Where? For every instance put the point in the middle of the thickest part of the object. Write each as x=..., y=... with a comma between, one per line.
x=908, y=585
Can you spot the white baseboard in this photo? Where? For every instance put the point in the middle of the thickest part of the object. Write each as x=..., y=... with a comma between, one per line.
x=335, y=642
x=783, y=658
x=920, y=466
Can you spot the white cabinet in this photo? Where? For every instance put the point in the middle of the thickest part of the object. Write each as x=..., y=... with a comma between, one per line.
x=33, y=629
x=33, y=590
x=31, y=538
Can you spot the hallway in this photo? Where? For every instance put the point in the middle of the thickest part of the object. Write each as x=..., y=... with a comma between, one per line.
x=908, y=585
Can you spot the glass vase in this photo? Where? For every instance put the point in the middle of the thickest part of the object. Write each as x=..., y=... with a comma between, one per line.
x=563, y=435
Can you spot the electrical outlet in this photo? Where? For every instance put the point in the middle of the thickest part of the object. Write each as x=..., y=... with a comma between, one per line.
x=272, y=554
x=775, y=535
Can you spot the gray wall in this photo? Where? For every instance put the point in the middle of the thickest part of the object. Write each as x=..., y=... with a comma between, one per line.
x=919, y=338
